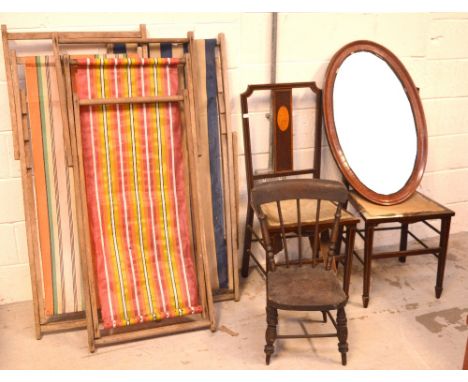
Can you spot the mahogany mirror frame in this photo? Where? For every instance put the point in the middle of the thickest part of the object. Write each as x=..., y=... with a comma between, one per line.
x=418, y=113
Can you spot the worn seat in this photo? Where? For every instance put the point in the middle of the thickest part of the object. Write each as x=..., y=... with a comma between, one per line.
x=294, y=209
x=296, y=289
x=289, y=211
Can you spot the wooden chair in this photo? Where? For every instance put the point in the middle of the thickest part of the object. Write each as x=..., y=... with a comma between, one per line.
x=381, y=148
x=303, y=284
x=282, y=153
x=417, y=209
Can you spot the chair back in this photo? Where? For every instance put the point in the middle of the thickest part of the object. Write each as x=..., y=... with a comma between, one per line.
x=282, y=132
x=326, y=198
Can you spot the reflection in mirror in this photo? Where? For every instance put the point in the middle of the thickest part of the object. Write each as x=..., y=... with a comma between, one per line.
x=374, y=122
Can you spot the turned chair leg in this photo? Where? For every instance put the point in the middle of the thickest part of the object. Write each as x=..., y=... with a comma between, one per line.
x=270, y=335
x=342, y=331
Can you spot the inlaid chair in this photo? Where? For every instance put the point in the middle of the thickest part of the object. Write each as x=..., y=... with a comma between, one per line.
x=304, y=284
x=281, y=149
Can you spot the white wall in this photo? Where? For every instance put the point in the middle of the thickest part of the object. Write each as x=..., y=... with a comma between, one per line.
x=432, y=46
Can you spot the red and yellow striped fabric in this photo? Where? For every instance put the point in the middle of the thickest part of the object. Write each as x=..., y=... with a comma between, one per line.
x=136, y=191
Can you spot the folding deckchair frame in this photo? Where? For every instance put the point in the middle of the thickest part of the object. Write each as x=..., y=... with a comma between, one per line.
x=230, y=177
x=22, y=152
x=96, y=335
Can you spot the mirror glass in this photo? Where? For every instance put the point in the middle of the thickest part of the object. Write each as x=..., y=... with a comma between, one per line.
x=374, y=122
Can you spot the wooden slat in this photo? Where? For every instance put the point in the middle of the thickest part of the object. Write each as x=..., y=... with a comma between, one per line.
x=122, y=40
x=11, y=97
x=203, y=158
x=89, y=282
x=409, y=252
x=234, y=227
x=24, y=112
x=63, y=104
x=283, y=173
x=191, y=153
x=154, y=332
x=129, y=100
x=28, y=157
x=72, y=35
x=194, y=224
x=226, y=172
x=144, y=36
x=180, y=61
x=29, y=204
x=56, y=326
x=90, y=293
x=225, y=296
x=235, y=149
x=196, y=189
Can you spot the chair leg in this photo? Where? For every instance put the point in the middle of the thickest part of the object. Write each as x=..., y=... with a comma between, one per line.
x=403, y=241
x=270, y=335
x=339, y=240
x=350, y=236
x=444, y=236
x=342, y=331
x=324, y=316
x=368, y=244
x=247, y=241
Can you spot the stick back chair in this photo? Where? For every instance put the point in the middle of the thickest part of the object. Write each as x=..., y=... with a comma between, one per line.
x=304, y=284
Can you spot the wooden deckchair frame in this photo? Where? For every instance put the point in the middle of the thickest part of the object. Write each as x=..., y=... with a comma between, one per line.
x=229, y=166
x=99, y=336
x=230, y=169
x=21, y=136
x=22, y=152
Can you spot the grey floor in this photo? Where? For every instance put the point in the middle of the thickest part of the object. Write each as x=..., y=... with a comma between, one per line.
x=404, y=327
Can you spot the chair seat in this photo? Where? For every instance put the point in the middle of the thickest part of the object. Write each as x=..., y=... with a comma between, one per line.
x=304, y=288
x=417, y=205
x=308, y=212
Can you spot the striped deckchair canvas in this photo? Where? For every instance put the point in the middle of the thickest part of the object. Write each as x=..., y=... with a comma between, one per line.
x=206, y=93
x=54, y=191
x=206, y=84
x=137, y=191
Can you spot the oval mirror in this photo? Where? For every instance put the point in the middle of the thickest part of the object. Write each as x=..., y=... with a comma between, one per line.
x=374, y=122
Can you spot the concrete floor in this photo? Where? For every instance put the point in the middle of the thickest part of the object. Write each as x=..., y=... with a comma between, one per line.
x=405, y=327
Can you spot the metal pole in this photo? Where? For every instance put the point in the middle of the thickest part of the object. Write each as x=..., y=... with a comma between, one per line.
x=274, y=33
